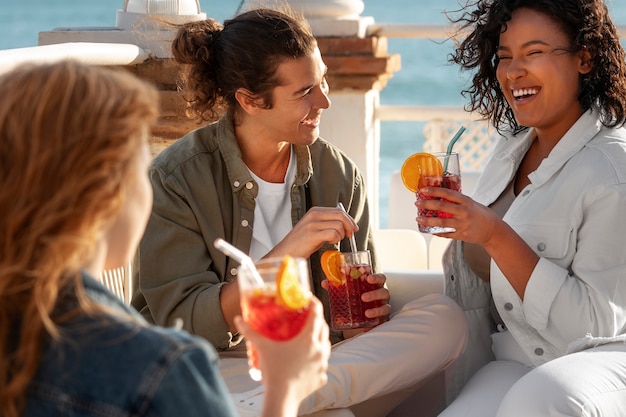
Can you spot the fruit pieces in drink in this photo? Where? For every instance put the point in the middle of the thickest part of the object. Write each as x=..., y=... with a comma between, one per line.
x=331, y=262
x=451, y=182
x=359, y=275
x=272, y=318
x=417, y=166
x=278, y=312
x=426, y=170
x=346, y=307
x=288, y=287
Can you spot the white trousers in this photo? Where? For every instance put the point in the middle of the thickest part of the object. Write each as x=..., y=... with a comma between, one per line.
x=420, y=340
x=591, y=383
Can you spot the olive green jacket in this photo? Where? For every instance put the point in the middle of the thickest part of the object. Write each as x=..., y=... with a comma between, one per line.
x=202, y=191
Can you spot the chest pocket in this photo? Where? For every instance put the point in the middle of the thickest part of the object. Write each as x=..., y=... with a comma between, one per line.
x=554, y=240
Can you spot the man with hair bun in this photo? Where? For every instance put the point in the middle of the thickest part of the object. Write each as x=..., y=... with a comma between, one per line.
x=262, y=179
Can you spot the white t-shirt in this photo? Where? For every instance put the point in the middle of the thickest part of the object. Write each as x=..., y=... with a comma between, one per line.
x=272, y=214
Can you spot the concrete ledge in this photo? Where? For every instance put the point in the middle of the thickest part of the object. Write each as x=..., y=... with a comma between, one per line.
x=323, y=26
x=91, y=53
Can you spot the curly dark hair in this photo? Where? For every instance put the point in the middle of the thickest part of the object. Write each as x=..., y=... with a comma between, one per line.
x=243, y=53
x=586, y=23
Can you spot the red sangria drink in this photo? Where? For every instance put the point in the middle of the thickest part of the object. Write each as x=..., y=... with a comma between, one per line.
x=278, y=306
x=452, y=182
x=347, y=310
x=269, y=316
x=450, y=178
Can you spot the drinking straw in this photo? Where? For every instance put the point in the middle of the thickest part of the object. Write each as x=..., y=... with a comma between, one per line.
x=352, y=240
x=456, y=137
x=243, y=259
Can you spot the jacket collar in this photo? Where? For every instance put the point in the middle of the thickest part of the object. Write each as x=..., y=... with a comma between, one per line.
x=574, y=140
x=238, y=173
x=304, y=167
x=510, y=151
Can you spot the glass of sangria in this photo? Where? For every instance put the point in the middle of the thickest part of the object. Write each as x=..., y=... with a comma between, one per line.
x=347, y=280
x=276, y=305
x=447, y=176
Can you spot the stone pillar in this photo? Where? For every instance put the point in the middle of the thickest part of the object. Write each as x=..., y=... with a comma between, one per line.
x=326, y=17
x=358, y=69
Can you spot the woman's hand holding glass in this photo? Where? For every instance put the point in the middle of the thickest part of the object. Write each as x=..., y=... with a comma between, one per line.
x=296, y=367
x=473, y=221
x=478, y=224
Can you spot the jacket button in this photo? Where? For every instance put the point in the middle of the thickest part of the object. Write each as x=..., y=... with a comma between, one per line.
x=236, y=183
x=244, y=223
x=233, y=272
x=249, y=185
x=508, y=306
x=525, y=193
x=538, y=351
x=541, y=247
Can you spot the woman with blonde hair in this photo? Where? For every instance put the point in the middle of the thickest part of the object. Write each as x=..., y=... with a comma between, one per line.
x=74, y=201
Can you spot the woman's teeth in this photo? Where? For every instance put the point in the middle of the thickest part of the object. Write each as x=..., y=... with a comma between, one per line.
x=525, y=92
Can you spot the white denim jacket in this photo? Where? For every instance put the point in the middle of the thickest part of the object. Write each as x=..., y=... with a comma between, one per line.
x=573, y=215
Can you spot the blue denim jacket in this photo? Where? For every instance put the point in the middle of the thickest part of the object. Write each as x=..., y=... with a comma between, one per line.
x=117, y=365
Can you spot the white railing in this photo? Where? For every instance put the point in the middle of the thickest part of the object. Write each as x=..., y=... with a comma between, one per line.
x=442, y=121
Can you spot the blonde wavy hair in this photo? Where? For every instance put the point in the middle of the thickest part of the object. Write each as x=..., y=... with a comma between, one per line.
x=69, y=133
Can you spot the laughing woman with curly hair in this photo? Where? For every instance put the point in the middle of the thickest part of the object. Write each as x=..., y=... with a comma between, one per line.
x=538, y=260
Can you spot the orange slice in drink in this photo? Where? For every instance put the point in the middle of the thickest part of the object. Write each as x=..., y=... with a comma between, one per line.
x=419, y=164
x=288, y=288
x=331, y=265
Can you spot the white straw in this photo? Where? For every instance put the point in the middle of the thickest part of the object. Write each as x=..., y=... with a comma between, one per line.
x=352, y=239
x=243, y=259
